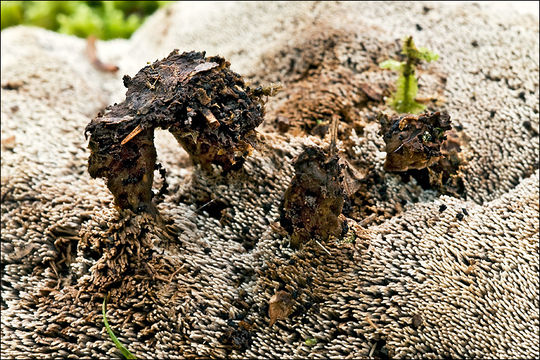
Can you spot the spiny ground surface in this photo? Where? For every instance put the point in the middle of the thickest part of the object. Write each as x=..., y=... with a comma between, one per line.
x=418, y=275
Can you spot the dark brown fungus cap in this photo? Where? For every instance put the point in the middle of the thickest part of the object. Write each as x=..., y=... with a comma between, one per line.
x=413, y=141
x=426, y=147
x=205, y=105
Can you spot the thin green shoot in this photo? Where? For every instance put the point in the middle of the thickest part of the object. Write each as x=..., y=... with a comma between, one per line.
x=404, y=99
x=113, y=337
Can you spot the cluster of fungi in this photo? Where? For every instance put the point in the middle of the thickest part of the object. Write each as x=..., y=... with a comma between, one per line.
x=213, y=115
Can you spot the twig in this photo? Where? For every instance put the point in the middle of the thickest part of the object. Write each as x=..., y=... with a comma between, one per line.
x=372, y=350
x=92, y=55
x=370, y=322
x=328, y=252
x=367, y=220
x=334, y=134
x=211, y=201
x=132, y=134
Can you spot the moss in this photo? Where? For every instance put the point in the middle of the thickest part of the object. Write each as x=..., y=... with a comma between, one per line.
x=103, y=19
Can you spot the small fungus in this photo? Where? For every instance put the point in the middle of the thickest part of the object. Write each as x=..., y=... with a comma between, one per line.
x=413, y=141
x=205, y=105
x=314, y=200
x=424, y=146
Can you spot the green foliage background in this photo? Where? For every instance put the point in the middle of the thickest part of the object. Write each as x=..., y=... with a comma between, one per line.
x=103, y=19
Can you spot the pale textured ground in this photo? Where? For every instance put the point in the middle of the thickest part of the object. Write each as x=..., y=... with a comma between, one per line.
x=474, y=282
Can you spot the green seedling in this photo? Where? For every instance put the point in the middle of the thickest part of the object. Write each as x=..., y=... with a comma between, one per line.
x=113, y=337
x=311, y=342
x=404, y=99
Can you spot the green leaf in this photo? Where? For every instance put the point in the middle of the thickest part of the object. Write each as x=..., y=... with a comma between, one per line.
x=104, y=19
x=114, y=23
x=391, y=64
x=311, y=342
x=82, y=22
x=45, y=13
x=113, y=337
x=427, y=55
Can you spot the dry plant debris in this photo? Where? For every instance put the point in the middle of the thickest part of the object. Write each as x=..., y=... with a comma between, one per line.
x=205, y=105
x=280, y=306
x=96, y=62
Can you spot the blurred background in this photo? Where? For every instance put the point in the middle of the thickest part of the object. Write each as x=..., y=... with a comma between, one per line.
x=119, y=19
x=103, y=19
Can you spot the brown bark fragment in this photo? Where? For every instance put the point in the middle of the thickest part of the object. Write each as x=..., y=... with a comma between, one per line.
x=205, y=105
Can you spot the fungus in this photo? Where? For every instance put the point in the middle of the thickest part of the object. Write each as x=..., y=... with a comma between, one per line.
x=412, y=141
x=205, y=105
x=423, y=142
x=314, y=200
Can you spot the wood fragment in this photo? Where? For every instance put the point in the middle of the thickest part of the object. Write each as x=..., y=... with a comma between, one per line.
x=371, y=323
x=334, y=135
x=321, y=245
x=94, y=60
x=210, y=118
x=132, y=134
x=205, y=67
